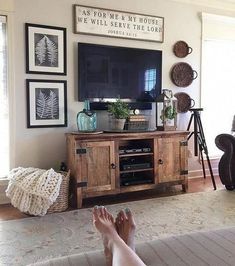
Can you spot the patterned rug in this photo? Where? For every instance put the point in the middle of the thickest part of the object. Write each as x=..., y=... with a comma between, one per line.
x=33, y=239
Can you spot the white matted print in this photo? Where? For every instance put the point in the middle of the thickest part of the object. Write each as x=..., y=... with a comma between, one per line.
x=115, y=23
x=45, y=49
x=46, y=103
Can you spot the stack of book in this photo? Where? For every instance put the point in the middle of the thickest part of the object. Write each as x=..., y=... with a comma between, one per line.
x=138, y=122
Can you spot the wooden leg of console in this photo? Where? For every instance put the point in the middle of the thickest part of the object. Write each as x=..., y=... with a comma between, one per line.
x=185, y=186
x=79, y=198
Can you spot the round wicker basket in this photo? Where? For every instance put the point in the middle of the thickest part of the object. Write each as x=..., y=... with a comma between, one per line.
x=182, y=74
x=62, y=201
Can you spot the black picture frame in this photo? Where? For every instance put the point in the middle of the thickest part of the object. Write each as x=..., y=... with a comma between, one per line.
x=46, y=103
x=46, y=49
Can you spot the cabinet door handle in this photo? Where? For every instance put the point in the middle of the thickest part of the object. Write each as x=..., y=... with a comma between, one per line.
x=160, y=161
x=113, y=166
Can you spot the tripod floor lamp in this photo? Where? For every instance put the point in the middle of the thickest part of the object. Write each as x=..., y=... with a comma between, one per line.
x=199, y=140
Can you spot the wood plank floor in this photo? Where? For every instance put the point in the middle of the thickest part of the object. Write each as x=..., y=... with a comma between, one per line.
x=7, y=212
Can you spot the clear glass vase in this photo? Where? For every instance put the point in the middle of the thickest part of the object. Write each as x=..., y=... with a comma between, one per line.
x=86, y=119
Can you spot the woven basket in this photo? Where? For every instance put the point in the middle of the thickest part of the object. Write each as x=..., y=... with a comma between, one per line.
x=62, y=201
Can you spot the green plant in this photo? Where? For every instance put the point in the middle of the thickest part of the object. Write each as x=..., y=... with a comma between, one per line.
x=169, y=113
x=119, y=109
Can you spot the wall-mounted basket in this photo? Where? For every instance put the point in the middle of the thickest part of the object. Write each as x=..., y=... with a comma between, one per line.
x=181, y=49
x=184, y=102
x=182, y=74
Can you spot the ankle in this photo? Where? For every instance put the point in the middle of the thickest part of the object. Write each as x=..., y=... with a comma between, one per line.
x=115, y=240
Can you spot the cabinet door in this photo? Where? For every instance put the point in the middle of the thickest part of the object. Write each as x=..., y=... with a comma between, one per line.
x=97, y=160
x=171, y=159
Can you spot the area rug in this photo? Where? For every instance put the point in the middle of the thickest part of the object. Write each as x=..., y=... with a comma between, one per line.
x=34, y=239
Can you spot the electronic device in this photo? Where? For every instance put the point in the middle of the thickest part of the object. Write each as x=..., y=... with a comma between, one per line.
x=108, y=72
x=132, y=182
x=135, y=166
x=134, y=179
x=134, y=150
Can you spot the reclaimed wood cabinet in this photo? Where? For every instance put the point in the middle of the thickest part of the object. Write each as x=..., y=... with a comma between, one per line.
x=113, y=163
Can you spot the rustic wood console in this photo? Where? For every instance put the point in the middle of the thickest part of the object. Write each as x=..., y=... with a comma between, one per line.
x=113, y=163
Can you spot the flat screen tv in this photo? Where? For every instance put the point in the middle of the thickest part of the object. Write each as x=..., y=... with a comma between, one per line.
x=108, y=72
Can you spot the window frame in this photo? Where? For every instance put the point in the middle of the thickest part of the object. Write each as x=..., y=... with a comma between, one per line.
x=220, y=21
x=10, y=88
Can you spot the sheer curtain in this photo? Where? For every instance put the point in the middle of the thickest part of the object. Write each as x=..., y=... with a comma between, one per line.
x=4, y=110
x=218, y=78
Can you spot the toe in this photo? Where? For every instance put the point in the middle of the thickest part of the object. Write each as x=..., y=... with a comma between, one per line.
x=102, y=212
x=108, y=215
x=105, y=213
x=96, y=212
x=130, y=216
x=119, y=217
x=123, y=215
x=111, y=218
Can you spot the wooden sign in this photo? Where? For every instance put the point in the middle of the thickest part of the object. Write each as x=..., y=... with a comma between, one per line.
x=106, y=22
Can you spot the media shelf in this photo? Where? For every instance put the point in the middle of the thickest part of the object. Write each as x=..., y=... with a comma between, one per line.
x=136, y=162
x=137, y=170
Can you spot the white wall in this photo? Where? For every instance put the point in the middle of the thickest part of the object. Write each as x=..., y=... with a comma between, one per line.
x=47, y=147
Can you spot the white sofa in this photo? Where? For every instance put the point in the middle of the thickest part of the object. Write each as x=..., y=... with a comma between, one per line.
x=215, y=248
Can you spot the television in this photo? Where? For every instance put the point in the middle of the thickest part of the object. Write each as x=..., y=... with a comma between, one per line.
x=109, y=72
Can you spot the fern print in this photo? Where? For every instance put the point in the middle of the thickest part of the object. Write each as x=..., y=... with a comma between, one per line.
x=52, y=52
x=41, y=102
x=40, y=51
x=46, y=50
x=52, y=105
x=47, y=104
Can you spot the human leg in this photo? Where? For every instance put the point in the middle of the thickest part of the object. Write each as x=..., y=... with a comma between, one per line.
x=121, y=253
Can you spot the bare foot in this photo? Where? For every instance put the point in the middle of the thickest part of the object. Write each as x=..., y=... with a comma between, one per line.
x=126, y=226
x=104, y=223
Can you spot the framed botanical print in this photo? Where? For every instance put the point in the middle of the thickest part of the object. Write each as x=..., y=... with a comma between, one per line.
x=46, y=103
x=45, y=49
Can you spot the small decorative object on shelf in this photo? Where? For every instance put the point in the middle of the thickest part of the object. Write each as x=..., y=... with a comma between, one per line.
x=166, y=115
x=119, y=111
x=86, y=119
x=137, y=122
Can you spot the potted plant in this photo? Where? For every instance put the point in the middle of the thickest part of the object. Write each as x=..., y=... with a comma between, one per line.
x=170, y=112
x=119, y=111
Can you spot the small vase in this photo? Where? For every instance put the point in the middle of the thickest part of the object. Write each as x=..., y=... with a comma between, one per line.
x=86, y=119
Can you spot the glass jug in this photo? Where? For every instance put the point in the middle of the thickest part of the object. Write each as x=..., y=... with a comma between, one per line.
x=86, y=119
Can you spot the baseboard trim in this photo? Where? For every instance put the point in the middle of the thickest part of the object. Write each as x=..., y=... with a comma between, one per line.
x=199, y=173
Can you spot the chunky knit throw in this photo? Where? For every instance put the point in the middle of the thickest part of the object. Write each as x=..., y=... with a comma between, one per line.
x=33, y=190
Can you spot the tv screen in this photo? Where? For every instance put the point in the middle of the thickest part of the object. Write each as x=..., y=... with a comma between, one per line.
x=106, y=72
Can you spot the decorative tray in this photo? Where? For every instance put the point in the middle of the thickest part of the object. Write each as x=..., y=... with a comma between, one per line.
x=184, y=102
x=181, y=49
x=128, y=131
x=87, y=132
x=182, y=74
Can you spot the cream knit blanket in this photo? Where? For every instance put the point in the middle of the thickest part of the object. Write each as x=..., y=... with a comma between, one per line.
x=33, y=190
